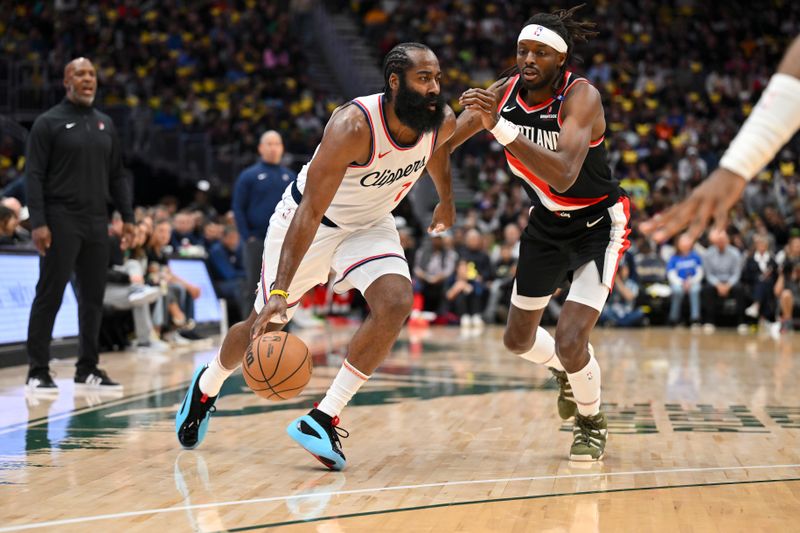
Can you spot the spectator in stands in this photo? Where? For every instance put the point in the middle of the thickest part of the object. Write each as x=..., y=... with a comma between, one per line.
x=637, y=188
x=776, y=225
x=257, y=192
x=478, y=262
x=651, y=275
x=722, y=266
x=621, y=309
x=463, y=297
x=434, y=264
x=176, y=308
x=212, y=233
x=184, y=233
x=692, y=169
x=227, y=271
x=650, y=268
x=790, y=253
x=8, y=227
x=21, y=213
x=760, y=194
x=408, y=242
x=15, y=189
x=759, y=276
x=787, y=288
x=511, y=236
x=479, y=269
x=500, y=288
x=685, y=274
x=126, y=288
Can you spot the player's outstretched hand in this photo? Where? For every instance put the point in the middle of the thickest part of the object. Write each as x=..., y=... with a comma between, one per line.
x=484, y=102
x=276, y=305
x=712, y=199
x=444, y=216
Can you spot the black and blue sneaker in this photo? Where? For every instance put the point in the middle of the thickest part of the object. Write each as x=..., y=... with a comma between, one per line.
x=191, y=421
x=319, y=434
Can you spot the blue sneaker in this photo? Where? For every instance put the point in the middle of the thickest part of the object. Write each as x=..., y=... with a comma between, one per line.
x=319, y=435
x=191, y=421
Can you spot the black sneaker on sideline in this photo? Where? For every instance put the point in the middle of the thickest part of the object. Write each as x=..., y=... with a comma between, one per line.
x=190, y=334
x=41, y=382
x=96, y=379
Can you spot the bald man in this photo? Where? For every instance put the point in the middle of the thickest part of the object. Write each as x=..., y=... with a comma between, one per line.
x=74, y=165
x=258, y=190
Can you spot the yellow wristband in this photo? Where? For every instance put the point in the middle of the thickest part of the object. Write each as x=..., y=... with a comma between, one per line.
x=279, y=292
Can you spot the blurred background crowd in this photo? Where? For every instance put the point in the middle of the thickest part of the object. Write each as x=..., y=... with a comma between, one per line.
x=677, y=79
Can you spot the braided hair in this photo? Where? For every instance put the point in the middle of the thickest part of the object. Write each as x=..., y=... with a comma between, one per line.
x=562, y=22
x=397, y=62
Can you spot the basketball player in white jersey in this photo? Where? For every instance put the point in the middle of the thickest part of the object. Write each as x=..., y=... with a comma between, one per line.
x=552, y=125
x=337, y=216
x=773, y=121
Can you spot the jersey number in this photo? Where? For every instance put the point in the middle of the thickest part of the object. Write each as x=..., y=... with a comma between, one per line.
x=402, y=191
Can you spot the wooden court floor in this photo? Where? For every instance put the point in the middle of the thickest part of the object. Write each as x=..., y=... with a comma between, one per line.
x=451, y=434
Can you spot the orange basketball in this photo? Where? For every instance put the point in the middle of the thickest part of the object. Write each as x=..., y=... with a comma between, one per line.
x=277, y=366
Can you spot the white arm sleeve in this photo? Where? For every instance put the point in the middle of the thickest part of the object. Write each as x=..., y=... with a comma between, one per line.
x=773, y=121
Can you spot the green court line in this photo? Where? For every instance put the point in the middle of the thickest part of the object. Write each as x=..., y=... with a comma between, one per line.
x=501, y=500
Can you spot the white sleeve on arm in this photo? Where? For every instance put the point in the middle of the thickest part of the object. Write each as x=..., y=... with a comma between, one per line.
x=773, y=121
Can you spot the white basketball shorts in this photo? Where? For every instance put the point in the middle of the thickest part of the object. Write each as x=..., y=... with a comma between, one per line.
x=356, y=257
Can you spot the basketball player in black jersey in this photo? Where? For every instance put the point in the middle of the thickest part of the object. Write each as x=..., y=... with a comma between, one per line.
x=551, y=123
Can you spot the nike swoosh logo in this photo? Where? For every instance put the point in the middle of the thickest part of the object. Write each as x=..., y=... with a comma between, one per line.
x=71, y=124
x=590, y=224
x=507, y=108
x=380, y=156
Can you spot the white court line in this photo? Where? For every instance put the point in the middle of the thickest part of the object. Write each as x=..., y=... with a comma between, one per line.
x=387, y=489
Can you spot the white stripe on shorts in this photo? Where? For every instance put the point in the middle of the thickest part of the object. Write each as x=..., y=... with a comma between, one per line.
x=528, y=303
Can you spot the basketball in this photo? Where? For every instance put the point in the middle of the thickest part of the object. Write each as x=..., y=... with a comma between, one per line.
x=277, y=366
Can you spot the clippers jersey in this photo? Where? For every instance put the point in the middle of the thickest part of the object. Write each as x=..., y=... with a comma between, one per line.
x=595, y=189
x=371, y=191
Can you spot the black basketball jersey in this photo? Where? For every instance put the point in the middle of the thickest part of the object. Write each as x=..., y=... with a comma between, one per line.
x=594, y=189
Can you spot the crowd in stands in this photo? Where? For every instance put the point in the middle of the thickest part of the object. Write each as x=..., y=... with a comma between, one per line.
x=232, y=69
x=677, y=79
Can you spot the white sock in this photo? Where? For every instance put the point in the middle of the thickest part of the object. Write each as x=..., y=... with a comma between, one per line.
x=543, y=351
x=347, y=382
x=586, y=387
x=212, y=379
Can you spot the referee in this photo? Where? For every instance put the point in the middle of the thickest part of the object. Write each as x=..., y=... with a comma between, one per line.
x=73, y=165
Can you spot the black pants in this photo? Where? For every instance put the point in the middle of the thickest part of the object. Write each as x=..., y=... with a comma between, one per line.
x=713, y=303
x=467, y=304
x=253, y=255
x=433, y=294
x=79, y=245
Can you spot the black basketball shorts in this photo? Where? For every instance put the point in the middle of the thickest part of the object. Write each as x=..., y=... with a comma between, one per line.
x=585, y=250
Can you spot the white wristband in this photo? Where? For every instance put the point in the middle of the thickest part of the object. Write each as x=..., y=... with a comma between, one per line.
x=505, y=131
x=773, y=121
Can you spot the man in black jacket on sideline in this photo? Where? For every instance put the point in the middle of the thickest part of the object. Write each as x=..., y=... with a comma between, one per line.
x=73, y=166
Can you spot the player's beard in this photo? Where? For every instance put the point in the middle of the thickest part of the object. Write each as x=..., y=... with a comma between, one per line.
x=412, y=108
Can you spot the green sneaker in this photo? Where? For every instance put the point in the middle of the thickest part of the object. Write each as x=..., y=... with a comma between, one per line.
x=566, y=401
x=589, y=438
